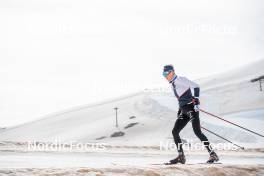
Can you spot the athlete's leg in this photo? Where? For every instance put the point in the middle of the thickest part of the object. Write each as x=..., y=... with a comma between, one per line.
x=194, y=116
x=179, y=125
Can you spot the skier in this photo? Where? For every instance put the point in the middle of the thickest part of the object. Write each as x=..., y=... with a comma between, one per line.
x=188, y=111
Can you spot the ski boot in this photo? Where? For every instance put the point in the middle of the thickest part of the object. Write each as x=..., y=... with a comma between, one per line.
x=180, y=159
x=213, y=158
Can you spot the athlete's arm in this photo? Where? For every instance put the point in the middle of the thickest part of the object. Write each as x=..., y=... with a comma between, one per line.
x=195, y=87
x=192, y=85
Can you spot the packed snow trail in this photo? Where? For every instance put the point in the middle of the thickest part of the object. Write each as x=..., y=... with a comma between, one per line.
x=42, y=163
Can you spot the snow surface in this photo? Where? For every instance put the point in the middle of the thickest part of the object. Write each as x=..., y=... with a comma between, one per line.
x=187, y=170
x=16, y=159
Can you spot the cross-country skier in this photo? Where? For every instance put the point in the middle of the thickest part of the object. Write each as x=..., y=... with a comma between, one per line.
x=188, y=111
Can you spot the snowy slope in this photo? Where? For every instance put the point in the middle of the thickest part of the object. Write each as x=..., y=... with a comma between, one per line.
x=155, y=114
x=88, y=123
x=232, y=91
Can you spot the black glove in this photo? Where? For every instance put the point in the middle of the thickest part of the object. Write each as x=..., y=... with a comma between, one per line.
x=195, y=101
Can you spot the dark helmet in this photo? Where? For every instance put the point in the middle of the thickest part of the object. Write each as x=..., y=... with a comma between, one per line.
x=168, y=68
x=168, y=73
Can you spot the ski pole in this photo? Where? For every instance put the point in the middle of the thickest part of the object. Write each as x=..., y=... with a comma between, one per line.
x=222, y=138
x=231, y=123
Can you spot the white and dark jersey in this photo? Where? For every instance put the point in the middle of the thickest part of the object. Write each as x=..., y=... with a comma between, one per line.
x=181, y=87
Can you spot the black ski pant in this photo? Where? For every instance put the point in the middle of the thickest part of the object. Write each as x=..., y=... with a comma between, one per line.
x=186, y=114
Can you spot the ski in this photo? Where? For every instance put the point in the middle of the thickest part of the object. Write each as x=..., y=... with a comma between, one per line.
x=169, y=164
x=205, y=163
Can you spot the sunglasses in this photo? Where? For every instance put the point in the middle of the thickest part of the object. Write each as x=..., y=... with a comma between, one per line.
x=166, y=73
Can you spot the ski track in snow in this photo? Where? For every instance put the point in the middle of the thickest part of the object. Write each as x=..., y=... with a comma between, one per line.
x=122, y=163
x=17, y=159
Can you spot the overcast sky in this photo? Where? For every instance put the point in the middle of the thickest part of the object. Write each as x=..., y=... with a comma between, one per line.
x=56, y=54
